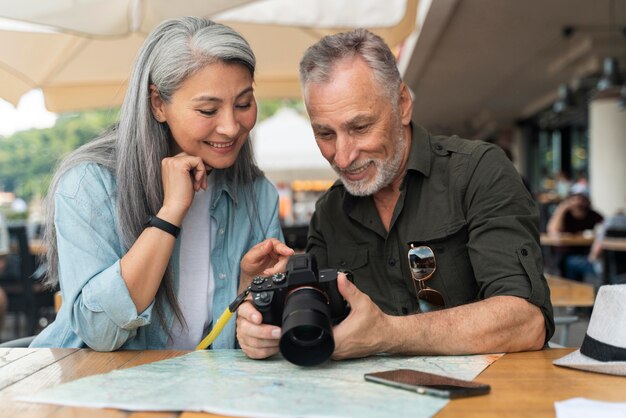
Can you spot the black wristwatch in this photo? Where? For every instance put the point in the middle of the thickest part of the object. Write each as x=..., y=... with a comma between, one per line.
x=162, y=225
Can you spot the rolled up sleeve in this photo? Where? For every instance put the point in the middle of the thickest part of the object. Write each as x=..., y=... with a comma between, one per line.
x=504, y=237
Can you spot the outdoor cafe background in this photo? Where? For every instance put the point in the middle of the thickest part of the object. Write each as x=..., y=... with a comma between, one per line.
x=528, y=76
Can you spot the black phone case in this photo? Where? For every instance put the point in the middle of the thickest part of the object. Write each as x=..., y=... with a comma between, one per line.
x=428, y=383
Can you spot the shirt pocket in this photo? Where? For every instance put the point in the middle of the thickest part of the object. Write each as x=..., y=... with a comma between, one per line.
x=350, y=257
x=454, y=275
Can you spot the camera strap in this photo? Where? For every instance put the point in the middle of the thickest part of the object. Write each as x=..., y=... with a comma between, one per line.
x=223, y=320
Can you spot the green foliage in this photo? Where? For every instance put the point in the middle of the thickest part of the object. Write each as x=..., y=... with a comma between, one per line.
x=28, y=158
x=267, y=108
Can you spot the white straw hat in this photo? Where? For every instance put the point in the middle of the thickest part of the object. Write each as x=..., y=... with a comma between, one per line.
x=604, y=348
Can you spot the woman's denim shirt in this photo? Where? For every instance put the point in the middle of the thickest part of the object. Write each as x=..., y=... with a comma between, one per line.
x=97, y=310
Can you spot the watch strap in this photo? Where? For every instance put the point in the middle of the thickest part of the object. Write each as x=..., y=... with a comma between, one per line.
x=163, y=225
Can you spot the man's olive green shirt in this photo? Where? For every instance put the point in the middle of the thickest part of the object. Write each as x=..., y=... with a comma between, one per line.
x=462, y=198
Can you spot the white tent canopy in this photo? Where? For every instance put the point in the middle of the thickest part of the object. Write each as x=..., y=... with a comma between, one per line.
x=285, y=148
x=84, y=58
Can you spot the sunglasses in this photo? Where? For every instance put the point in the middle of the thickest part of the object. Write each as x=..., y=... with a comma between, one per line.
x=423, y=265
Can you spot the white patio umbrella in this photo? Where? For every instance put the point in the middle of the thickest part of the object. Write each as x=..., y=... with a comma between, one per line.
x=285, y=148
x=85, y=59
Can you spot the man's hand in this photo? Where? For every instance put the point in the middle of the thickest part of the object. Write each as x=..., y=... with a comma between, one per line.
x=257, y=340
x=266, y=258
x=363, y=332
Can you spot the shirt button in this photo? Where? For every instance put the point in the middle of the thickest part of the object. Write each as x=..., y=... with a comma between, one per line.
x=404, y=311
x=438, y=147
x=221, y=231
x=342, y=263
x=392, y=262
x=524, y=252
x=222, y=276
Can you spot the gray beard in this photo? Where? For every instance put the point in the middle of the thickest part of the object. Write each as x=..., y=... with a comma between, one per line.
x=386, y=170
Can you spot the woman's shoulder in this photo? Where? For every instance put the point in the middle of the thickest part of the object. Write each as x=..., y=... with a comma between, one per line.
x=264, y=190
x=263, y=183
x=86, y=179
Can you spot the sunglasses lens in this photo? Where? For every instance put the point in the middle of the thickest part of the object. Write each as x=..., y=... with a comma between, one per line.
x=421, y=262
x=430, y=300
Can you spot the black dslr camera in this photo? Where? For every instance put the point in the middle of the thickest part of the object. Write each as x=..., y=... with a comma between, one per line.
x=307, y=304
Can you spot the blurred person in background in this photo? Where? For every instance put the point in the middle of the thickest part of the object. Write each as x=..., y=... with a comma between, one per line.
x=574, y=215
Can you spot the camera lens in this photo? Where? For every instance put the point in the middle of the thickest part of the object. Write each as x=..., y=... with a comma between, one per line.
x=307, y=337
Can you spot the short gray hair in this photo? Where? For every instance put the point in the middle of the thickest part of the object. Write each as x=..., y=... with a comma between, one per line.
x=134, y=148
x=320, y=59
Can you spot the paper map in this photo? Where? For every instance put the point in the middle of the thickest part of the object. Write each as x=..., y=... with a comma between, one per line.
x=227, y=382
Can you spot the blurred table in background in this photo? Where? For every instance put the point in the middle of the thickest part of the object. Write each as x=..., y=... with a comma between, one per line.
x=565, y=293
x=614, y=244
x=566, y=240
x=37, y=247
x=554, y=248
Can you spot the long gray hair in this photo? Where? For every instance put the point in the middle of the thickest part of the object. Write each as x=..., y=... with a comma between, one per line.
x=319, y=60
x=134, y=148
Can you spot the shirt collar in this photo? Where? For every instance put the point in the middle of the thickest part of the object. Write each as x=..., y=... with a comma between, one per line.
x=420, y=153
x=223, y=186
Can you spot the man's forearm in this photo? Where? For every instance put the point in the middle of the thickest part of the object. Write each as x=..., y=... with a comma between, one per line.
x=497, y=324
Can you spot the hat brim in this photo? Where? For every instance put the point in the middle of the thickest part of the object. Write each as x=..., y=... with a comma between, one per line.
x=577, y=360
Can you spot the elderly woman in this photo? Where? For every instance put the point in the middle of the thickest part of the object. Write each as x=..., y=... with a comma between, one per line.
x=154, y=226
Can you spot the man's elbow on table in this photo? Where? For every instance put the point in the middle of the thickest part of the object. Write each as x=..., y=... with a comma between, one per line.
x=531, y=334
x=501, y=324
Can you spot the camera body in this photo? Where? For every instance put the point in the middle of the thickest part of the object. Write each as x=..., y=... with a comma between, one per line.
x=306, y=303
x=269, y=293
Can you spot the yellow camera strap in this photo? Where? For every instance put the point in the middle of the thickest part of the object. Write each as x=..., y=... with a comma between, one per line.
x=223, y=320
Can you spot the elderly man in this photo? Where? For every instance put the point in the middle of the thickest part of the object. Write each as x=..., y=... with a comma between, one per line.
x=424, y=222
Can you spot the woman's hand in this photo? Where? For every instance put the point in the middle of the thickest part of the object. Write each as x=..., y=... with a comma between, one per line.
x=182, y=176
x=266, y=258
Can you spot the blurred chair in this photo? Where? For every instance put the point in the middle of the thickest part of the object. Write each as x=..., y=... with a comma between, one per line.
x=23, y=342
x=27, y=297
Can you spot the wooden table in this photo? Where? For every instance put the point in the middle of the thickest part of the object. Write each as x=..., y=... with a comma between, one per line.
x=522, y=384
x=566, y=240
x=566, y=293
x=614, y=244
x=37, y=247
x=527, y=385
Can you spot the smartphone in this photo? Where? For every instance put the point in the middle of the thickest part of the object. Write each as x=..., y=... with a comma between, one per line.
x=428, y=384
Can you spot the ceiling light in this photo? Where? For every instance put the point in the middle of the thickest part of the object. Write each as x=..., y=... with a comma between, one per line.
x=611, y=76
x=565, y=100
